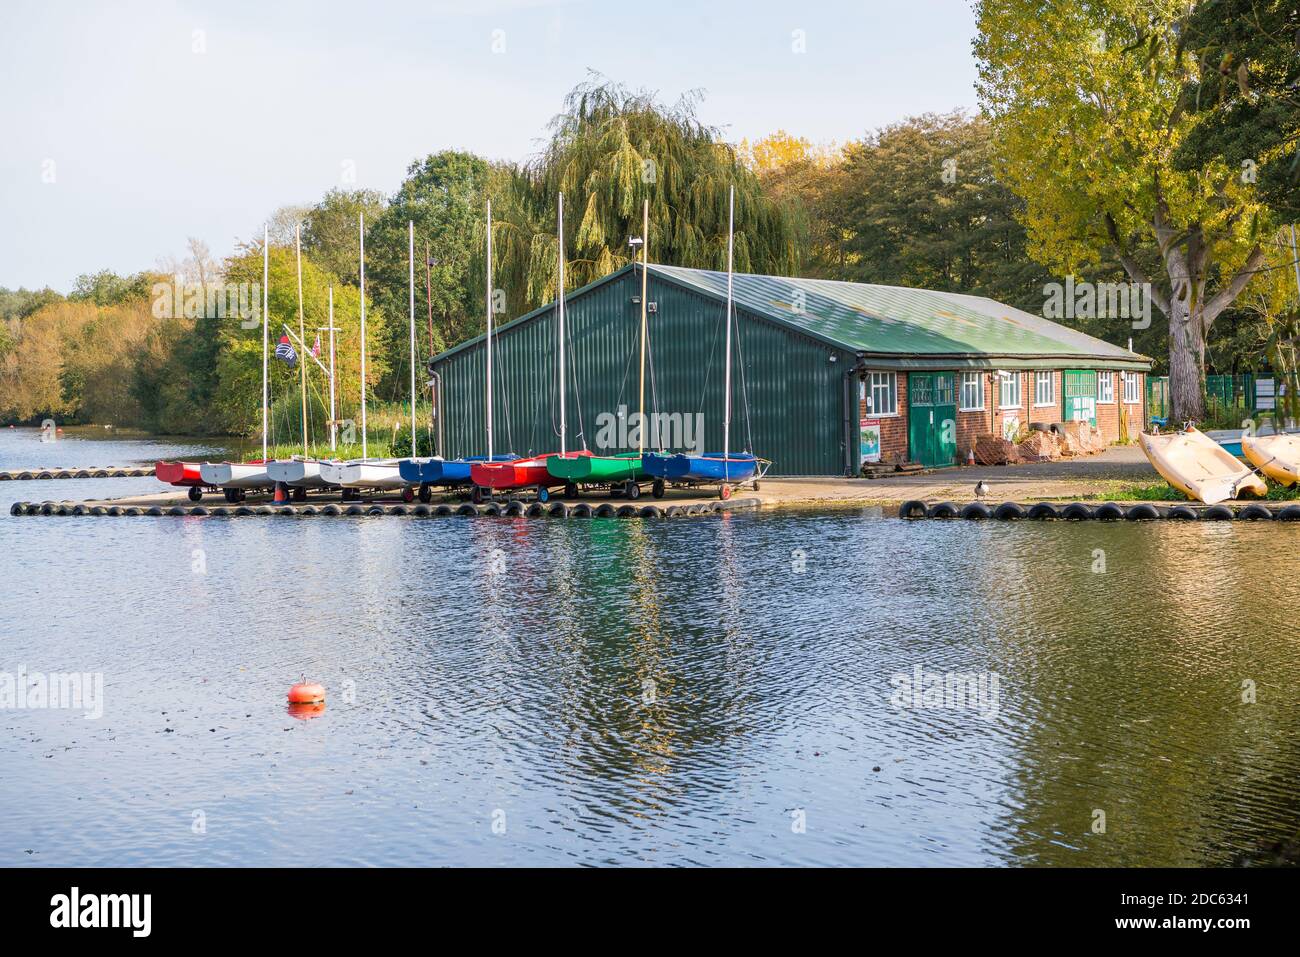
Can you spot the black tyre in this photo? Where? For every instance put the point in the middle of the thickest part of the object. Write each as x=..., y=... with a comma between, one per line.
x=1256, y=513
x=195, y=494
x=631, y=489
x=657, y=488
x=426, y=493
x=1145, y=512
x=570, y=490
x=1108, y=512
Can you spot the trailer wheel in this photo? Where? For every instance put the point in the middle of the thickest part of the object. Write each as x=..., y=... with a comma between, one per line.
x=631, y=489
x=476, y=496
x=543, y=493
x=657, y=489
x=571, y=490
x=755, y=486
x=195, y=493
x=724, y=492
x=408, y=494
x=426, y=493
x=299, y=493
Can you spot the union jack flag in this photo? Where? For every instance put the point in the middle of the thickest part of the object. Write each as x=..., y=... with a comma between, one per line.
x=285, y=351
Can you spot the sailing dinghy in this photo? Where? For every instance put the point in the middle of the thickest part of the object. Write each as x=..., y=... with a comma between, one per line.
x=382, y=474
x=621, y=470
x=297, y=473
x=1199, y=467
x=181, y=475
x=1277, y=456
x=236, y=479
x=531, y=473
x=723, y=468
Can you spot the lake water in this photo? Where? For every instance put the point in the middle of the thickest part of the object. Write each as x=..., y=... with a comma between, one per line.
x=721, y=690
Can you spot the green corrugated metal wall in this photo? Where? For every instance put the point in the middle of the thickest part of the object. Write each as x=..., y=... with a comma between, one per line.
x=795, y=393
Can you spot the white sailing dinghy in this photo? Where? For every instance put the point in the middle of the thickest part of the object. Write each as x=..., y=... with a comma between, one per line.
x=365, y=472
x=303, y=471
x=237, y=478
x=296, y=472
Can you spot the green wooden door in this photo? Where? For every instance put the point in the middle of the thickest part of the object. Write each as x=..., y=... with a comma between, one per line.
x=932, y=418
x=1079, y=395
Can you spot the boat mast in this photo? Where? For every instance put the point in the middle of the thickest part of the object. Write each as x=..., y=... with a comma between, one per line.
x=266, y=277
x=489, y=330
x=726, y=416
x=334, y=425
x=302, y=335
x=645, y=261
x=560, y=234
x=410, y=225
x=361, y=218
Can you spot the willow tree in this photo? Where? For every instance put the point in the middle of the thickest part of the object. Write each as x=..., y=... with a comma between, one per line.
x=1087, y=105
x=610, y=150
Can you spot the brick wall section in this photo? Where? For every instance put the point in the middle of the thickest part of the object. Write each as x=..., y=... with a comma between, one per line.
x=894, y=429
x=1108, y=413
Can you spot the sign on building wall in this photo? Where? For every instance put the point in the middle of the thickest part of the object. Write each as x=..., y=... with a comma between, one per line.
x=869, y=444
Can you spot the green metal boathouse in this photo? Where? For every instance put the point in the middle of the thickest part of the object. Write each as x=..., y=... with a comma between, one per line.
x=807, y=354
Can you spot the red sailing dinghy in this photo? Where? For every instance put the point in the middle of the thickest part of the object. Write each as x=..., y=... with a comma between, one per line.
x=517, y=474
x=181, y=474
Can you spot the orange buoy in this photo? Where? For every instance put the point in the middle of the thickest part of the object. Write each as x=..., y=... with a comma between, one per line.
x=304, y=693
x=305, y=712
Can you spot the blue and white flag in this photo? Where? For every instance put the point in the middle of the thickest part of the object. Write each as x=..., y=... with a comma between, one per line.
x=285, y=351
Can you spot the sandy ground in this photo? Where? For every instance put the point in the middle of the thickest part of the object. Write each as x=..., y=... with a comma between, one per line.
x=1066, y=479
x=1069, y=479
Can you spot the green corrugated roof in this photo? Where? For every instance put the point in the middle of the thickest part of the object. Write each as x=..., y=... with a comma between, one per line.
x=896, y=321
x=895, y=325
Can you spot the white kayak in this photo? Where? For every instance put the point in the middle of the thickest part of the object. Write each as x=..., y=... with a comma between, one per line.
x=364, y=473
x=235, y=474
x=1277, y=456
x=1199, y=467
x=300, y=473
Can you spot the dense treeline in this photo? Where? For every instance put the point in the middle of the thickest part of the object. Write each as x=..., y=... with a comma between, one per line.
x=936, y=201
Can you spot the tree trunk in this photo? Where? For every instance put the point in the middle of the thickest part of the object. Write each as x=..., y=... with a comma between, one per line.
x=1186, y=366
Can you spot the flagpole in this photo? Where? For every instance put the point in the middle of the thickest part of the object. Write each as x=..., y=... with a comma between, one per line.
x=302, y=367
x=726, y=417
x=410, y=226
x=560, y=234
x=266, y=278
x=334, y=425
x=645, y=264
x=489, y=330
x=362, y=221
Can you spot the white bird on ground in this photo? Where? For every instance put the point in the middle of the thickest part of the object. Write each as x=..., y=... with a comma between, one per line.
x=981, y=489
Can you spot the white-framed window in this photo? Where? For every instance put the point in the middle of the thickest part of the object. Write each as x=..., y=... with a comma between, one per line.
x=1009, y=391
x=880, y=392
x=1044, y=388
x=1106, y=388
x=972, y=391
x=1132, y=389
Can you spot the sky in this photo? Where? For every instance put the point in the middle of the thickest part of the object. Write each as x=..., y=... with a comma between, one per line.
x=127, y=127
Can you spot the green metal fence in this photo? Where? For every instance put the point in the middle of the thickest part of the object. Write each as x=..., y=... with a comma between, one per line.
x=1225, y=395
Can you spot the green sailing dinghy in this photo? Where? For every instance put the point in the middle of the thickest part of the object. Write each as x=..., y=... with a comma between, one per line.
x=580, y=469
